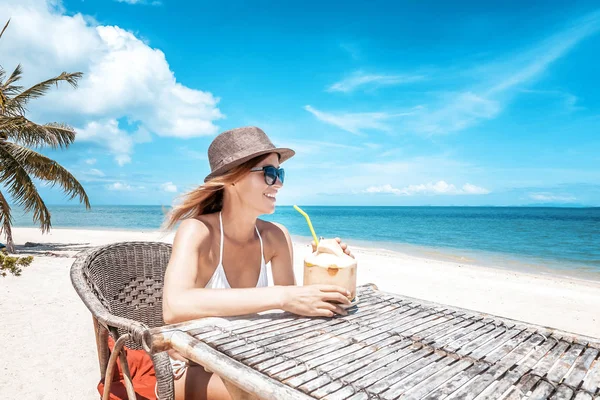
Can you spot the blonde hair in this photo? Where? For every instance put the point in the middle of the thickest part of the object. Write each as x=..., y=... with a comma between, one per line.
x=208, y=198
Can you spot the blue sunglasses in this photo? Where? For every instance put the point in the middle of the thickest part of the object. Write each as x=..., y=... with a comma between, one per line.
x=271, y=174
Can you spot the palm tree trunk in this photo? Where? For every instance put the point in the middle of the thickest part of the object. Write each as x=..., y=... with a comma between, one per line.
x=10, y=244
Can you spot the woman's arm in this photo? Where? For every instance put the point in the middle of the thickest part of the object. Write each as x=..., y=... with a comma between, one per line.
x=183, y=300
x=282, y=262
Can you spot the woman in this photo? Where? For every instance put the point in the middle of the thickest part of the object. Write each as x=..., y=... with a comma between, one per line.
x=221, y=244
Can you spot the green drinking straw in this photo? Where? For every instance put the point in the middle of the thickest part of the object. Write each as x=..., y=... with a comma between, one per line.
x=312, y=230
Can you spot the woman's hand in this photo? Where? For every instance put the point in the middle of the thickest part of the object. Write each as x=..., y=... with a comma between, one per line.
x=344, y=247
x=314, y=300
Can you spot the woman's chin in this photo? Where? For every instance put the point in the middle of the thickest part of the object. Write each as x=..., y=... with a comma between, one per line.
x=262, y=210
x=269, y=209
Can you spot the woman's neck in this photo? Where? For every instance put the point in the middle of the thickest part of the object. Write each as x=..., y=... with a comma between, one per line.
x=238, y=226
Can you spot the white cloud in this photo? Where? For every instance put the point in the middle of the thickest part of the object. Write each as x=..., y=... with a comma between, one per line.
x=492, y=87
x=92, y=175
x=438, y=188
x=502, y=81
x=95, y=172
x=461, y=111
x=119, y=186
x=360, y=79
x=549, y=197
x=532, y=63
x=472, y=189
x=356, y=122
x=129, y=75
x=382, y=189
x=124, y=77
x=90, y=161
x=141, y=135
x=108, y=134
x=569, y=101
x=154, y=3
x=169, y=187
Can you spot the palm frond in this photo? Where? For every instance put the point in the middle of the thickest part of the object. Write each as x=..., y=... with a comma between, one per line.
x=41, y=88
x=49, y=170
x=6, y=88
x=9, y=88
x=5, y=26
x=28, y=133
x=12, y=90
x=19, y=184
x=3, y=101
x=15, y=76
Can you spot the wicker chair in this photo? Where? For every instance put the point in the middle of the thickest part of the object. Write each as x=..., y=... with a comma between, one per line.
x=121, y=284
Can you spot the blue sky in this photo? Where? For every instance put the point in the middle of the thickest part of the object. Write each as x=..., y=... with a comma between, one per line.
x=386, y=103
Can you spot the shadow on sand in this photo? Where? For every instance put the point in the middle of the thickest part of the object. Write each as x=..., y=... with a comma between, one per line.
x=52, y=249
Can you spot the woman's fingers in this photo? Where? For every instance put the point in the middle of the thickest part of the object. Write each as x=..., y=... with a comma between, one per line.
x=339, y=310
x=344, y=247
x=322, y=312
x=338, y=297
x=332, y=307
x=333, y=289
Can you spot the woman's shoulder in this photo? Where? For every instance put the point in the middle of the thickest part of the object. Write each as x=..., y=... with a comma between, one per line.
x=197, y=229
x=204, y=223
x=273, y=231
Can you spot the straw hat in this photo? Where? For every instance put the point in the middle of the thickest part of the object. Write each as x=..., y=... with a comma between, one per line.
x=234, y=147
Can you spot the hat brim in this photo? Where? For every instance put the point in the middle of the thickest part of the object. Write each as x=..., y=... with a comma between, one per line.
x=284, y=154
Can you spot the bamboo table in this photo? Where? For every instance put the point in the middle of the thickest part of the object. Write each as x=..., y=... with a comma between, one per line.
x=389, y=347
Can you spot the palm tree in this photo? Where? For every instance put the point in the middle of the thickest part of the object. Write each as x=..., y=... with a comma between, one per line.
x=19, y=164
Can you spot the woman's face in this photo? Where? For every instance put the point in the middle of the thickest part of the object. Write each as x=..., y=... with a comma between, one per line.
x=255, y=192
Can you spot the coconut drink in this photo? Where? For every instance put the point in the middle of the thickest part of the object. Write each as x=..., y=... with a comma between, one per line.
x=331, y=266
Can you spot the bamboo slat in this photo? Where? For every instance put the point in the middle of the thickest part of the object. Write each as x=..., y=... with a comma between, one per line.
x=581, y=367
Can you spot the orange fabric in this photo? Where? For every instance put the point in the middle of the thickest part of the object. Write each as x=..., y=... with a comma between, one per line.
x=142, y=375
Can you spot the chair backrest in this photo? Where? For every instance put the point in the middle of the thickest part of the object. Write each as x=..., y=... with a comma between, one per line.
x=128, y=277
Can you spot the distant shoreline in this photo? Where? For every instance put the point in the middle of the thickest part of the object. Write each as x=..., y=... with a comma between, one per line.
x=459, y=256
x=15, y=207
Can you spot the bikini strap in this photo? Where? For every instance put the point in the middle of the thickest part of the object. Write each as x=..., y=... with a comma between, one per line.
x=222, y=236
x=261, y=245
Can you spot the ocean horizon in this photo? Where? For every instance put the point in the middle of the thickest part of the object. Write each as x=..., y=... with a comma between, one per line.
x=556, y=240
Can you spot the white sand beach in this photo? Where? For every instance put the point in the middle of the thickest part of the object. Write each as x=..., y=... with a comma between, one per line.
x=49, y=350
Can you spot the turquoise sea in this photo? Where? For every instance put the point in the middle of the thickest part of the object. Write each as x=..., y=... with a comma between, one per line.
x=556, y=240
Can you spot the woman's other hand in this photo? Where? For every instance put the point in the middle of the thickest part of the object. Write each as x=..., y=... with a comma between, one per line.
x=314, y=300
x=344, y=247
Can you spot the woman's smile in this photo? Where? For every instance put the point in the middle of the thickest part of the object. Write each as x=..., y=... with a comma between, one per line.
x=271, y=196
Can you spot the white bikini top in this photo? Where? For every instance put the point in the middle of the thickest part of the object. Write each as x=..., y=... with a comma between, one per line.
x=219, y=281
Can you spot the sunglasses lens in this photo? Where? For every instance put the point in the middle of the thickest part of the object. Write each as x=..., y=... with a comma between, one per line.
x=270, y=175
x=281, y=175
